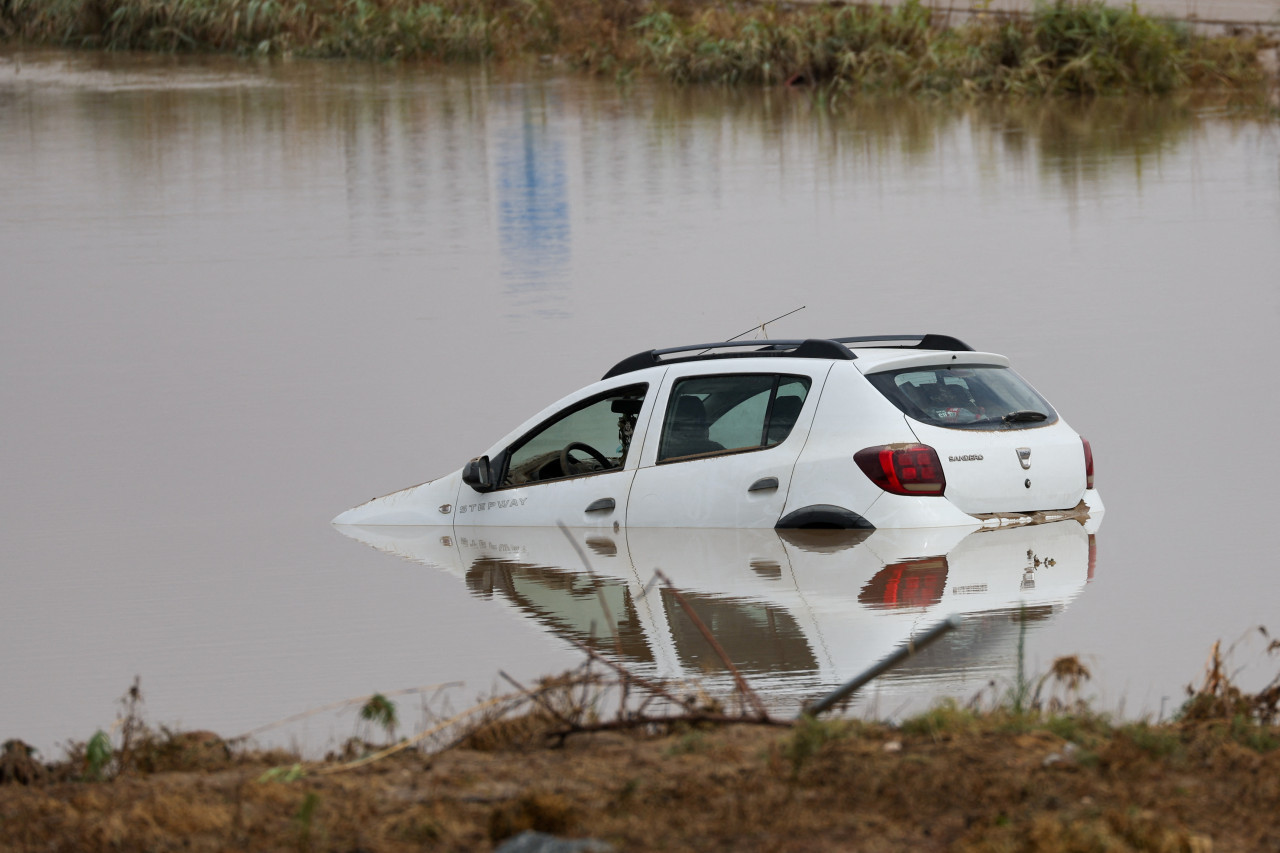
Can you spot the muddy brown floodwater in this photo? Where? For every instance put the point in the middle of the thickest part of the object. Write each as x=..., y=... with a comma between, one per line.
x=238, y=298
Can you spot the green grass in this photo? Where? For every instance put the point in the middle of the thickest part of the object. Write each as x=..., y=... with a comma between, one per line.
x=1061, y=49
x=1258, y=738
x=808, y=738
x=1081, y=727
x=1157, y=741
x=380, y=711
x=946, y=717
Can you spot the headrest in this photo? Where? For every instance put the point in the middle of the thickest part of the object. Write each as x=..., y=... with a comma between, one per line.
x=690, y=409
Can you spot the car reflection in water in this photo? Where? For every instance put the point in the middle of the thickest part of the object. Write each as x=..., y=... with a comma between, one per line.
x=797, y=611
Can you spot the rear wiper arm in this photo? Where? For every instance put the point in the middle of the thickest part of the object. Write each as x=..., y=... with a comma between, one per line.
x=1024, y=416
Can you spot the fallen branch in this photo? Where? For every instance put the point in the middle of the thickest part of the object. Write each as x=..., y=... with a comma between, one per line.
x=687, y=718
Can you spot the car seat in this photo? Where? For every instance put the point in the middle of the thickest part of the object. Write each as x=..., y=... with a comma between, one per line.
x=687, y=431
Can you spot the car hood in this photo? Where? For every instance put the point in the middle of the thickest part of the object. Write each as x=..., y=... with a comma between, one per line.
x=427, y=504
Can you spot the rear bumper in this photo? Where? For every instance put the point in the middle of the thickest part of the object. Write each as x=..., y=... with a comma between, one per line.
x=898, y=512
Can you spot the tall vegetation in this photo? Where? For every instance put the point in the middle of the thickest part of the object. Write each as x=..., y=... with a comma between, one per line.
x=1067, y=48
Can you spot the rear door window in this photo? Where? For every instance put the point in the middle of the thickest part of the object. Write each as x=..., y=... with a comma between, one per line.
x=731, y=413
x=980, y=397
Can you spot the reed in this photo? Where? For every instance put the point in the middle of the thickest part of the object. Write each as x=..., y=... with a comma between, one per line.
x=1063, y=48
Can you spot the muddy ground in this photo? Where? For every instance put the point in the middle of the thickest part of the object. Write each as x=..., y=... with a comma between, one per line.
x=946, y=781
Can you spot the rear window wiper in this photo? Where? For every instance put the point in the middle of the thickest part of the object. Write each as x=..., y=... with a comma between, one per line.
x=1024, y=416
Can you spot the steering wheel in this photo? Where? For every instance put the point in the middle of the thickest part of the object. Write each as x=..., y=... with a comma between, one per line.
x=570, y=466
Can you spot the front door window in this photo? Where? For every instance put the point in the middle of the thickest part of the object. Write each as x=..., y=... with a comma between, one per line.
x=589, y=438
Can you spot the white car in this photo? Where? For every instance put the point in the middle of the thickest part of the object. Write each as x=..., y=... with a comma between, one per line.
x=897, y=431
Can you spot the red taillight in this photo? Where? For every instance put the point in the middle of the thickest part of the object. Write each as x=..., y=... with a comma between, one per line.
x=903, y=469
x=1088, y=463
x=916, y=583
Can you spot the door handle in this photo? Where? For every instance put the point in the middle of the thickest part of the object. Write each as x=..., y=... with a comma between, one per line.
x=600, y=505
x=763, y=484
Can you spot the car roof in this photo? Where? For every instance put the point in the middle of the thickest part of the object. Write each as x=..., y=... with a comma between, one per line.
x=837, y=349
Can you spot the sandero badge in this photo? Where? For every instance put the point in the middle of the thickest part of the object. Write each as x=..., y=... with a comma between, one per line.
x=883, y=431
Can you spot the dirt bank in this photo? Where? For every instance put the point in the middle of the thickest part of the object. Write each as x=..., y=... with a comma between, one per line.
x=946, y=781
x=674, y=770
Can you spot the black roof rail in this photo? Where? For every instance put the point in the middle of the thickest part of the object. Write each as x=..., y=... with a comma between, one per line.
x=829, y=348
x=927, y=341
x=811, y=348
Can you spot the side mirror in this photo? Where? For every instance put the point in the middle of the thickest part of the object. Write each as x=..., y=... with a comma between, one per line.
x=478, y=475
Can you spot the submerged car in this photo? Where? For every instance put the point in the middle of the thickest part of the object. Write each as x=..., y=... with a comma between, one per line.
x=896, y=431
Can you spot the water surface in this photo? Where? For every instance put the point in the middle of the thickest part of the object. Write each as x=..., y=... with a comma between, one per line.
x=238, y=298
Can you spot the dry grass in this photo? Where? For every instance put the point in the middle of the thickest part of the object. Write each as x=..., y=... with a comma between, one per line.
x=1219, y=698
x=672, y=775
x=741, y=787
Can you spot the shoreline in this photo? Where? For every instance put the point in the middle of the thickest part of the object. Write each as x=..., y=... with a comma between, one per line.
x=1062, y=49
x=947, y=781
x=1038, y=770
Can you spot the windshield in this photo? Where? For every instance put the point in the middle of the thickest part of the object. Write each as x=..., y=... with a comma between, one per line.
x=965, y=397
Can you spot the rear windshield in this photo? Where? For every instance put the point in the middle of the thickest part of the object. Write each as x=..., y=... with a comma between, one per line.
x=965, y=397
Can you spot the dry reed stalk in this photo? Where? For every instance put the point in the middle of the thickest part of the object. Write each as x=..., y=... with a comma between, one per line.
x=743, y=687
x=333, y=706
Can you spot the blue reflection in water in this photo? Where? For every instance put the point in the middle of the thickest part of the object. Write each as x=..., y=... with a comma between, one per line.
x=533, y=217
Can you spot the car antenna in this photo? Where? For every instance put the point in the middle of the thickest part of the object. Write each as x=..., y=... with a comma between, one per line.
x=760, y=327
